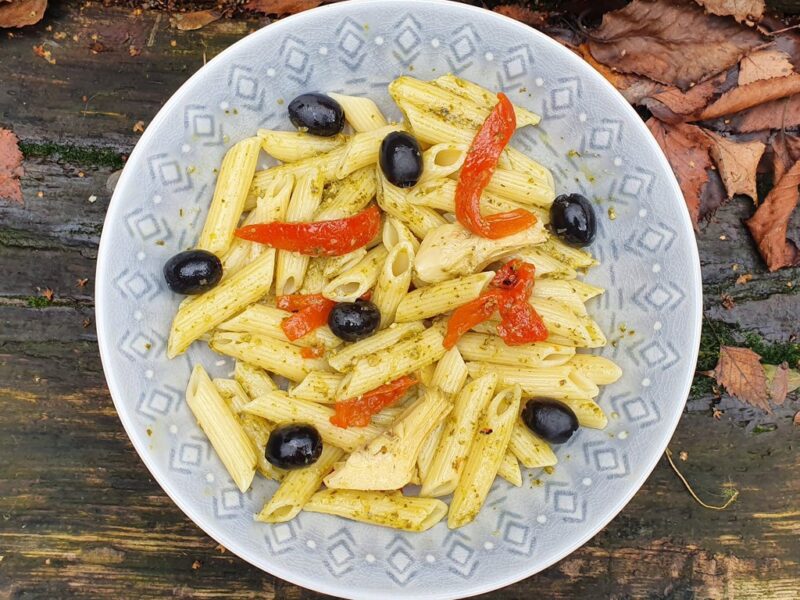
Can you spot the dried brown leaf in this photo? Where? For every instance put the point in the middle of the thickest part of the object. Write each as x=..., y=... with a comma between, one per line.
x=778, y=383
x=741, y=10
x=21, y=13
x=728, y=302
x=47, y=294
x=534, y=18
x=769, y=224
x=281, y=7
x=750, y=95
x=744, y=279
x=670, y=42
x=10, y=167
x=687, y=149
x=673, y=105
x=44, y=53
x=764, y=64
x=194, y=20
x=739, y=371
x=778, y=114
x=737, y=163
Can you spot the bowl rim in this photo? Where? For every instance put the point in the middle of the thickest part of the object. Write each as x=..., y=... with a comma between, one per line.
x=213, y=528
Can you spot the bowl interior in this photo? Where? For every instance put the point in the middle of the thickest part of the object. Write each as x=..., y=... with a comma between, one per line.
x=594, y=144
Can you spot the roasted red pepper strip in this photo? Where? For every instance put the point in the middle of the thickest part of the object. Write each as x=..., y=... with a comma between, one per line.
x=313, y=312
x=479, y=166
x=320, y=238
x=516, y=279
x=357, y=412
x=520, y=324
x=472, y=313
x=312, y=352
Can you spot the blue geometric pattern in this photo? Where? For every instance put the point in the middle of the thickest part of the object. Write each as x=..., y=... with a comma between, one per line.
x=589, y=140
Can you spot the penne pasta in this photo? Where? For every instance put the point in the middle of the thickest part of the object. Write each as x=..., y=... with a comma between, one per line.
x=481, y=96
x=548, y=382
x=442, y=160
x=226, y=435
x=336, y=265
x=356, y=281
x=348, y=355
x=451, y=372
x=441, y=297
x=574, y=257
x=532, y=451
x=546, y=265
x=509, y=470
x=265, y=320
x=253, y=380
x=492, y=349
x=393, y=281
x=362, y=113
x=318, y=386
x=388, y=509
x=362, y=150
x=520, y=187
x=428, y=450
x=291, y=146
x=394, y=201
x=348, y=196
x=394, y=232
x=599, y=370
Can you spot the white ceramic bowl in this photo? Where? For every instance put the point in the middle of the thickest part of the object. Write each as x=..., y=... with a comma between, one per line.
x=649, y=265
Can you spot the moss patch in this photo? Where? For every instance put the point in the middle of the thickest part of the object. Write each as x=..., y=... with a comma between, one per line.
x=89, y=156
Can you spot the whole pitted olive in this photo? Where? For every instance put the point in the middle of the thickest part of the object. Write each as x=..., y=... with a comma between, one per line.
x=193, y=272
x=552, y=421
x=293, y=446
x=317, y=113
x=353, y=321
x=572, y=219
x=401, y=159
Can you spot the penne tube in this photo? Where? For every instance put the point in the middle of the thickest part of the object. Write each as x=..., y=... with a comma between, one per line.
x=278, y=407
x=532, y=451
x=393, y=281
x=362, y=113
x=349, y=354
x=202, y=313
x=219, y=423
x=442, y=297
x=492, y=349
x=428, y=450
x=276, y=356
x=394, y=232
x=394, y=201
x=292, y=146
x=574, y=257
x=443, y=474
x=334, y=266
x=358, y=280
x=362, y=150
x=509, y=470
x=442, y=160
x=520, y=187
x=265, y=320
x=564, y=291
x=560, y=320
x=230, y=193
x=482, y=97
x=348, y=196
x=388, y=509
x=318, y=386
x=314, y=280
x=253, y=380
x=558, y=383
x=546, y=265
x=325, y=163
x=450, y=373
x=298, y=487
x=488, y=449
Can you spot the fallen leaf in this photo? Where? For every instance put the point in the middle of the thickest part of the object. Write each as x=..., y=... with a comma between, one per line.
x=220, y=548
x=134, y=51
x=683, y=455
x=717, y=413
x=739, y=371
x=97, y=47
x=785, y=151
x=22, y=13
x=737, y=163
x=44, y=53
x=10, y=167
x=281, y=7
x=194, y=20
x=727, y=302
x=47, y=294
x=778, y=114
x=670, y=42
x=744, y=279
x=741, y=10
x=633, y=87
x=86, y=323
x=82, y=282
x=196, y=565
x=779, y=384
x=673, y=105
x=138, y=127
x=747, y=96
x=769, y=224
x=792, y=376
x=687, y=149
x=764, y=64
x=534, y=18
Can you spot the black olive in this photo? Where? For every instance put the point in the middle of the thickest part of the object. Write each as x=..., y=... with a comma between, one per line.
x=572, y=219
x=193, y=272
x=401, y=159
x=293, y=446
x=550, y=420
x=353, y=321
x=317, y=113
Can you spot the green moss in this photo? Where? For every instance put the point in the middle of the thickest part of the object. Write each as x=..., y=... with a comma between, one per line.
x=89, y=156
x=773, y=354
x=37, y=301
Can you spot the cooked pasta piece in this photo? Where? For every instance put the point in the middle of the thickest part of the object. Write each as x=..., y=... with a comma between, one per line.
x=279, y=407
x=442, y=160
x=428, y=450
x=253, y=380
x=348, y=196
x=334, y=266
x=492, y=349
x=297, y=488
x=358, y=280
x=514, y=160
x=600, y=370
x=226, y=435
x=546, y=265
x=391, y=363
x=574, y=257
x=548, y=382
x=394, y=201
x=388, y=509
x=509, y=470
x=276, y=356
x=441, y=297
x=230, y=193
x=560, y=320
x=349, y=354
x=457, y=437
x=451, y=372
x=521, y=187
x=532, y=451
x=291, y=146
x=318, y=386
x=395, y=232
x=566, y=292
x=452, y=250
x=362, y=113
x=202, y=313
x=488, y=449
x=482, y=97
x=290, y=267
x=393, y=281
x=263, y=319
x=362, y=150
x=314, y=280
x=389, y=461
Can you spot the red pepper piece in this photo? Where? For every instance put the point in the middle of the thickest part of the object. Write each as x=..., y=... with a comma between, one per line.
x=313, y=311
x=320, y=238
x=472, y=313
x=312, y=352
x=516, y=279
x=479, y=166
x=357, y=412
x=520, y=324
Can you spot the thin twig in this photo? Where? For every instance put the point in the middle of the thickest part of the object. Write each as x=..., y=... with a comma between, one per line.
x=728, y=502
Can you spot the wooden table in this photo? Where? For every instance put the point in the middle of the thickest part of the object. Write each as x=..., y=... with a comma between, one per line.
x=81, y=515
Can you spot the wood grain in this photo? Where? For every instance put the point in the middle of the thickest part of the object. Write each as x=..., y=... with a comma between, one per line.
x=82, y=517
